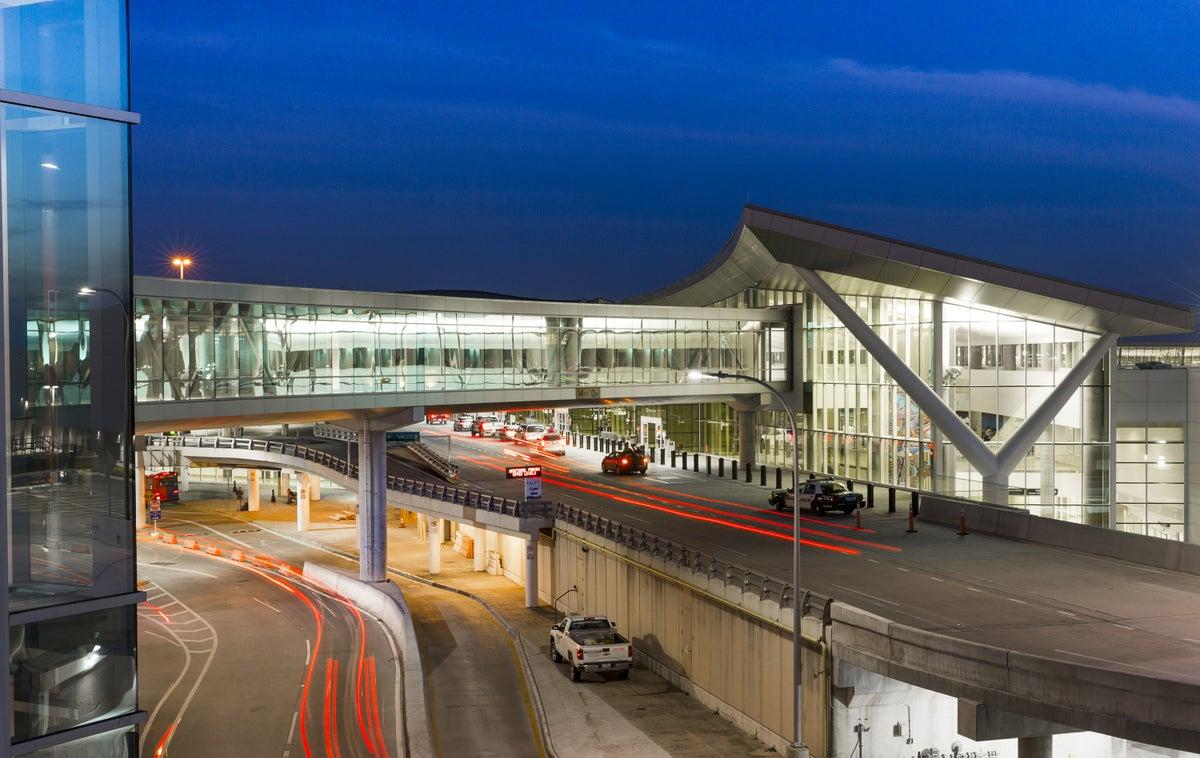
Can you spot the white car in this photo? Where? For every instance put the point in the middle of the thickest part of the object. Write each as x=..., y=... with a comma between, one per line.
x=590, y=643
x=532, y=432
x=463, y=422
x=553, y=443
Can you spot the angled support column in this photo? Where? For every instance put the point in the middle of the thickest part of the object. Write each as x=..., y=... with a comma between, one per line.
x=1031, y=428
x=372, y=504
x=940, y=415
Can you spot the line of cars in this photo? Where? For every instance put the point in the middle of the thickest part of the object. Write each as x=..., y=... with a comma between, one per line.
x=545, y=438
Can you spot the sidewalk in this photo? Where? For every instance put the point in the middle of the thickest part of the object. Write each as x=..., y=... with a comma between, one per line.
x=641, y=716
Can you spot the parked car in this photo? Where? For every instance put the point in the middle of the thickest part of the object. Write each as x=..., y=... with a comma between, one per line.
x=531, y=432
x=553, y=442
x=627, y=461
x=590, y=643
x=819, y=495
x=463, y=422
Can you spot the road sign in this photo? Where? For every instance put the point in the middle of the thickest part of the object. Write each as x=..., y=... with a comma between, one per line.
x=523, y=472
x=402, y=438
x=156, y=511
x=533, y=487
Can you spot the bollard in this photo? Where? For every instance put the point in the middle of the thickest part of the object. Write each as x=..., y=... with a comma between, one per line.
x=858, y=519
x=870, y=495
x=662, y=456
x=696, y=463
x=749, y=473
x=891, y=499
x=962, y=523
x=762, y=475
x=672, y=459
x=849, y=485
x=912, y=524
x=778, y=478
x=721, y=468
x=916, y=503
x=707, y=465
x=733, y=473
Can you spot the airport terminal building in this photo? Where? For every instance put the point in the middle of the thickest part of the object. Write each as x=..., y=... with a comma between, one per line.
x=910, y=366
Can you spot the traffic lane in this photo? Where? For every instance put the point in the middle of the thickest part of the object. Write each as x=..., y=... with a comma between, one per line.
x=348, y=661
x=208, y=707
x=951, y=593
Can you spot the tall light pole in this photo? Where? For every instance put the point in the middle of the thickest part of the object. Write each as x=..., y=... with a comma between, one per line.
x=798, y=749
x=181, y=263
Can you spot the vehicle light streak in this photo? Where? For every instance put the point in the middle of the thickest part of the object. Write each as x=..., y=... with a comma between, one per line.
x=154, y=608
x=161, y=748
x=735, y=504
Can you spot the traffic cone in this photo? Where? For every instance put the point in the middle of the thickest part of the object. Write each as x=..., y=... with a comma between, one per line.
x=962, y=523
x=912, y=524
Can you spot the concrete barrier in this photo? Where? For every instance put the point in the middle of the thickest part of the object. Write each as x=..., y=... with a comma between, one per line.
x=1018, y=524
x=385, y=601
x=1127, y=705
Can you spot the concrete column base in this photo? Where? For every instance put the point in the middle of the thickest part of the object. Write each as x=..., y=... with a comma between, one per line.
x=435, y=546
x=302, y=504
x=531, y=572
x=253, y=490
x=1035, y=747
x=479, y=534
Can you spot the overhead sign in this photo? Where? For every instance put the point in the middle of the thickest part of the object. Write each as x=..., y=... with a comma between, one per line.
x=523, y=472
x=403, y=438
x=533, y=488
x=587, y=393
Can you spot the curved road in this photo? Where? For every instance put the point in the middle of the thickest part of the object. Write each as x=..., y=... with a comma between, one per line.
x=239, y=658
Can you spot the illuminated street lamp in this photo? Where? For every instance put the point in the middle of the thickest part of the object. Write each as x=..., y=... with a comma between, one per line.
x=798, y=749
x=181, y=263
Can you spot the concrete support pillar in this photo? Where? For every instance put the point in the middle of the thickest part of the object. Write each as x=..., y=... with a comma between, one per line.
x=302, y=503
x=491, y=543
x=283, y=484
x=1035, y=747
x=480, y=557
x=746, y=438
x=185, y=475
x=139, y=490
x=314, y=487
x=995, y=489
x=531, y=572
x=435, y=545
x=372, y=505
x=253, y=494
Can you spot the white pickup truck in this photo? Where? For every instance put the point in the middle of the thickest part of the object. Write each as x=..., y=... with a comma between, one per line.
x=590, y=643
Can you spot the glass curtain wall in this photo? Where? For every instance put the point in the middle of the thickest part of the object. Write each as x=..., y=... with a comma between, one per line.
x=995, y=370
x=64, y=226
x=1150, y=480
x=201, y=349
x=1151, y=356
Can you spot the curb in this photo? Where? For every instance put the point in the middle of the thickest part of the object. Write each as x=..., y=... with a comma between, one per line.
x=513, y=633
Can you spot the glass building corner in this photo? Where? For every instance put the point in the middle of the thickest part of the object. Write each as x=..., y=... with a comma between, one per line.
x=64, y=228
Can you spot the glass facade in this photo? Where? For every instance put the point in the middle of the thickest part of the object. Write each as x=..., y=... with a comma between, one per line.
x=994, y=369
x=1151, y=477
x=200, y=349
x=1158, y=356
x=64, y=227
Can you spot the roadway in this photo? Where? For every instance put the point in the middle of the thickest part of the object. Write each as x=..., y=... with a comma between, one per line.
x=249, y=659
x=1041, y=600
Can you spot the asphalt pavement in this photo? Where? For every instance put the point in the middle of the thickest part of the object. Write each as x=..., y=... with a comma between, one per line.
x=244, y=657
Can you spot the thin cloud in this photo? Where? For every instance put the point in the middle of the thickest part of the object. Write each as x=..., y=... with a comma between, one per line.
x=1019, y=86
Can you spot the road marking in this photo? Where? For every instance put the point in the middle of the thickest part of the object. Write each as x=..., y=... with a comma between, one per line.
x=731, y=550
x=187, y=571
x=292, y=730
x=307, y=651
x=1189, y=639
x=264, y=602
x=974, y=589
x=902, y=569
x=1130, y=628
x=934, y=578
x=1014, y=600
x=864, y=594
x=1112, y=662
x=1066, y=613
x=872, y=560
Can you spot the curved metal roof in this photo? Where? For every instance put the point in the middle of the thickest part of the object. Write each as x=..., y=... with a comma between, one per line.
x=768, y=244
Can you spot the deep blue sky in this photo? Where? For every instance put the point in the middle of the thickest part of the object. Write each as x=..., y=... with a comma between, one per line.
x=600, y=152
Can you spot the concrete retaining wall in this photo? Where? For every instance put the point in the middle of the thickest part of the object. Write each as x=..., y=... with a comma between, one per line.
x=1131, y=706
x=719, y=650
x=385, y=601
x=1014, y=523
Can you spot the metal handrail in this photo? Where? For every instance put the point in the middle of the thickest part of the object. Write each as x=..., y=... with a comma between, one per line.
x=698, y=562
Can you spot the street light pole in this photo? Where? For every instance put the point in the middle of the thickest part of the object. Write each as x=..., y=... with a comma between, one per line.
x=798, y=748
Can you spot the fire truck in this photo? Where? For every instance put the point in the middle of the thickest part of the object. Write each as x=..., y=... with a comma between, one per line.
x=163, y=487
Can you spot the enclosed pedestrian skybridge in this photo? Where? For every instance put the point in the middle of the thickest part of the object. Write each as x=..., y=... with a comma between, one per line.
x=217, y=354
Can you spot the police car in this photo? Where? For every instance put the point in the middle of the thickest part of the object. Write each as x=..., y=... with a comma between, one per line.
x=819, y=495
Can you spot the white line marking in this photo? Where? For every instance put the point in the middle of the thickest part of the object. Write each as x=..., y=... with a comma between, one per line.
x=307, y=651
x=1066, y=613
x=264, y=602
x=184, y=570
x=1189, y=639
x=872, y=560
x=974, y=589
x=934, y=578
x=1122, y=626
x=1112, y=662
x=864, y=594
x=903, y=569
x=292, y=730
x=1014, y=600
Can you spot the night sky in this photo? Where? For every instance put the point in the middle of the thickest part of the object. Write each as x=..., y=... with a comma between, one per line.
x=566, y=153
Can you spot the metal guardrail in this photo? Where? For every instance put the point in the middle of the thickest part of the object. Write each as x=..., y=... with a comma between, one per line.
x=728, y=573
x=445, y=493
x=437, y=462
